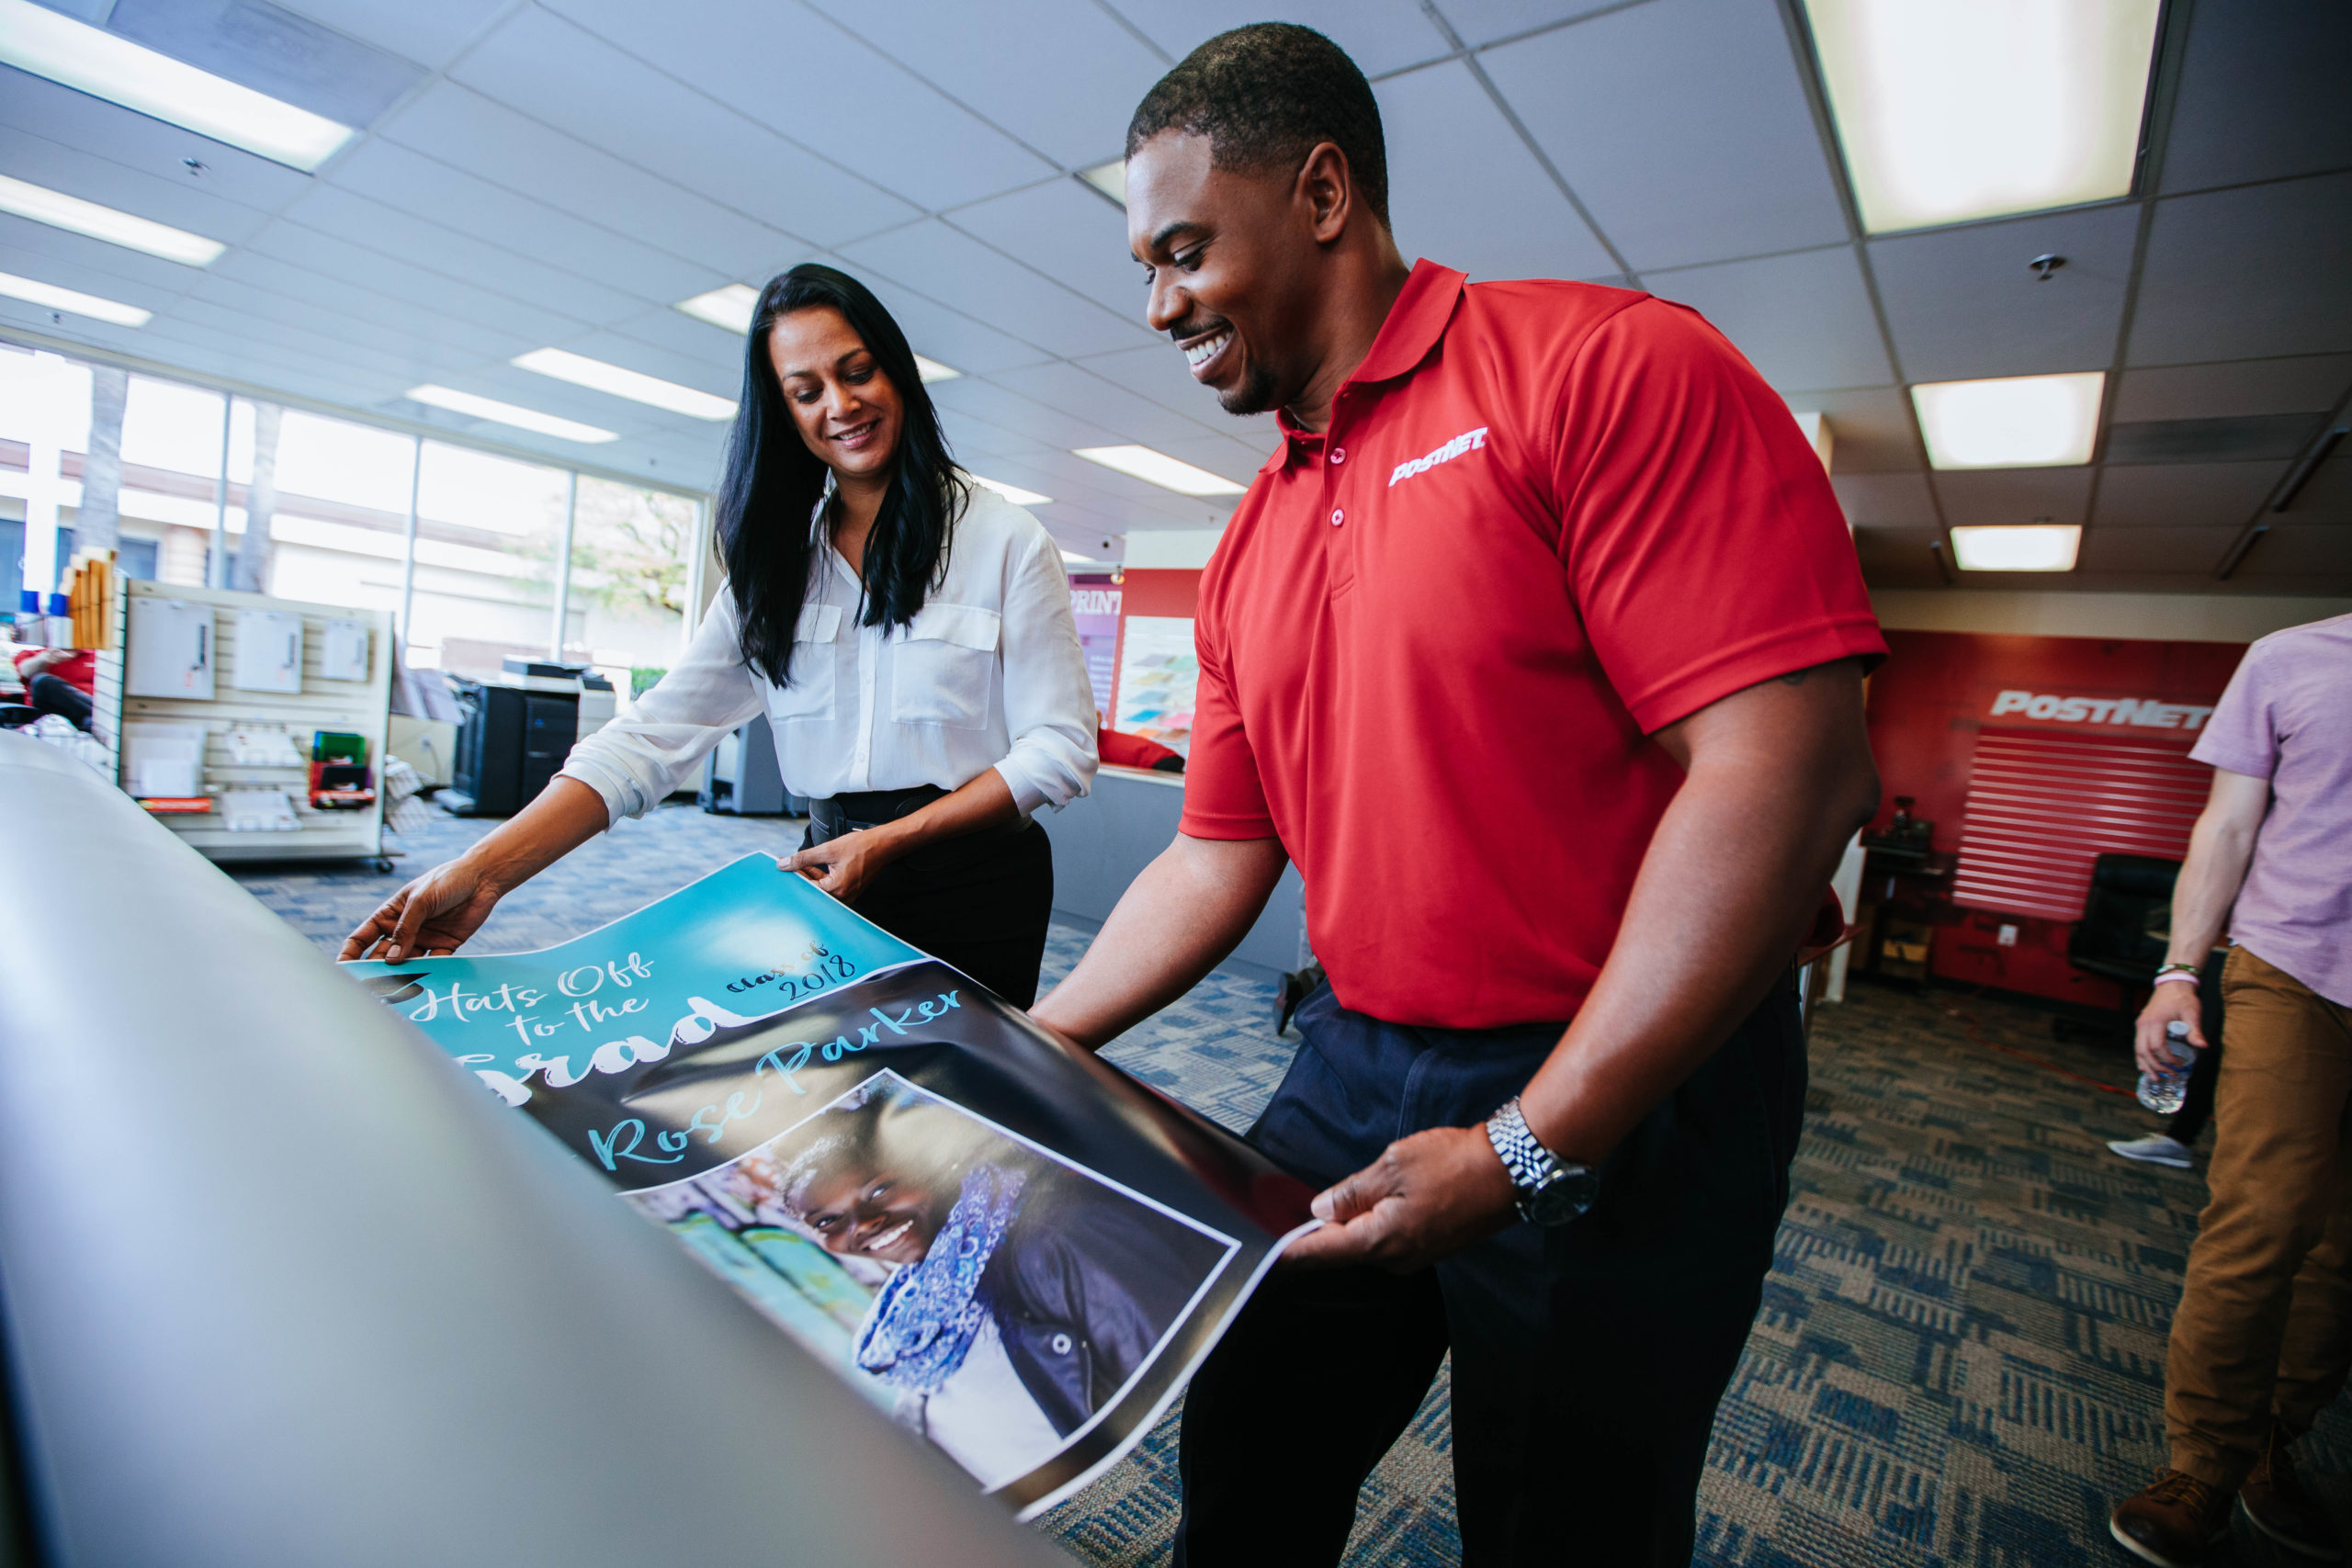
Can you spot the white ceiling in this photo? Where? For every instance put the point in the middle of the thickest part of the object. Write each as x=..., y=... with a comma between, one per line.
x=562, y=172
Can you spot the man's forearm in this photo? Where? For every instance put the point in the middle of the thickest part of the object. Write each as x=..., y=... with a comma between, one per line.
x=1175, y=923
x=1726, y=893
x=2220, y=847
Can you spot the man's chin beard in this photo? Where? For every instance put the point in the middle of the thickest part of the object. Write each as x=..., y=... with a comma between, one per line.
x=1255, y=394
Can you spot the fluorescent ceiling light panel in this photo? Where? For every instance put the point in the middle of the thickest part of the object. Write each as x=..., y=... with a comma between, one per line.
x=93, y=61
x=1013, y=493
x=1160, y=468
x=2015, y=422
x=1956, y=109
x=597, y=375
x=515, y=415
x=2024, y=547
x=1110, y=178
x=730, y=308
x=60, y=210
x=50, y=297
x=733, y=307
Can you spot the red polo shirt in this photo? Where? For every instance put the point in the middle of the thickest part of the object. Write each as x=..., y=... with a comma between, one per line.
x=1547, y=520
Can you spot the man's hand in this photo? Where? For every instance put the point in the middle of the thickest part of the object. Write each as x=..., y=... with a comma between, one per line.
x=1425, y=1198
x=846, y=866
x=2172, y=1002
x=430, y=917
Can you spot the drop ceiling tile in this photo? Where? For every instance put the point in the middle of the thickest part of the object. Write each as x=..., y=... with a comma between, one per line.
x=1454, y=165
x=677, y=332
x=318, y=336
x=2327, y=498
x=2181, y=549
x=1870, y=428
x=1008, y=410
x=1061, y=76
x=1683, y=126
x=1380, y=36
x=2303, y=383
x=1886, y=500
x=361, y=268
x=185, y=203
x=2013, y=495
x=430, y=33
x=132, y=139
x=1484, y=21
x=566, y=77
x=29, y=245
x=2262, y=96
x=273, y=291
x=1068, y=233
x=1899, y=557
x=722, y=379
x=2290, y=552
x=1962, y=302
x=2247, y=273
x=798, y=73
x=1804, y=319
x=357, y=221
x=2181, y=495
x=1073, y=391
x=947, y=335
x=977, y=443
x=425, y=187
x=469, y=132
x=963, y=275
x=1220, y=457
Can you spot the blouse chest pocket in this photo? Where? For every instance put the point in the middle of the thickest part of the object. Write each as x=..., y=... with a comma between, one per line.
x=944, y=667
x=813, y=676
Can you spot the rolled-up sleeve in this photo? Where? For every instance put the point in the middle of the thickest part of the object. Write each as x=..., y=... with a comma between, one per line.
x=1048, y=701
x=637, y=760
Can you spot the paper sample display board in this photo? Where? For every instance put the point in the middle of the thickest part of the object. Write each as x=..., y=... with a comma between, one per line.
x=171, y=652
x=342, y=652
x=1159, y=675
x=269, y=651
x=1014, y=1250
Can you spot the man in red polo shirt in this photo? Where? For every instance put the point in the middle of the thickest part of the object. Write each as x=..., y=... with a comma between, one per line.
x=1537, y=646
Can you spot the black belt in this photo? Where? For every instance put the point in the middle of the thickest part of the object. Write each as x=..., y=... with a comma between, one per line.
x=868, y=809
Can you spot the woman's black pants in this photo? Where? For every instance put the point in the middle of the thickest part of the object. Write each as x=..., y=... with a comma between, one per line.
x=980, y=902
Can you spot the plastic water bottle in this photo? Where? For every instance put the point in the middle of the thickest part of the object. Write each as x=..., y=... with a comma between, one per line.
x=2162, y=1092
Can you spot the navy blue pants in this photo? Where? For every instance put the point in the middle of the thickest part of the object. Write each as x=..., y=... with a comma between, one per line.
x=1588, y=1358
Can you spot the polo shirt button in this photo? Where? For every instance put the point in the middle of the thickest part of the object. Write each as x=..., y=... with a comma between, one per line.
x=1338, y=454
x=1338, y=516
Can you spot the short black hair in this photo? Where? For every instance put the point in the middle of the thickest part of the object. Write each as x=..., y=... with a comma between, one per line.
x=1265, y=96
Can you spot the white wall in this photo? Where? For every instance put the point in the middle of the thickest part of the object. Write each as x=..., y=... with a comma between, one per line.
x=2158, y=617
x=1182, y=548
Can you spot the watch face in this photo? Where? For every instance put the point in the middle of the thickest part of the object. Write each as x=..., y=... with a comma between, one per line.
x=1565, y=1199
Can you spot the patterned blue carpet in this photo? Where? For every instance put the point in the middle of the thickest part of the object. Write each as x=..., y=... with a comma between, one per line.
x=1960, y=1355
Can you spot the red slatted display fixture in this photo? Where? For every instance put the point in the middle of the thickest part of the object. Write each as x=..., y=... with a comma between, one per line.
x=2043, y=806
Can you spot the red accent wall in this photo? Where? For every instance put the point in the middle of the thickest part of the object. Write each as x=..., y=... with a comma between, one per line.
x=1936, y=693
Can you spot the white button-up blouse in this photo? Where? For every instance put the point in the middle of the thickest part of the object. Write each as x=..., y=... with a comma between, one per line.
x=990, y=674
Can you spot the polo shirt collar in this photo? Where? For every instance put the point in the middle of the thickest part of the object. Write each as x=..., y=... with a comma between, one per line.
x=1414, y=324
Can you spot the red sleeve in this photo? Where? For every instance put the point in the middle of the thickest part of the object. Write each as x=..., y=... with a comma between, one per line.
x=1224, y=797
x=1704, y=546
x=1121, y=750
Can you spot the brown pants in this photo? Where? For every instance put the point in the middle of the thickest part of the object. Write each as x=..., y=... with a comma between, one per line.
x=2265, y=1324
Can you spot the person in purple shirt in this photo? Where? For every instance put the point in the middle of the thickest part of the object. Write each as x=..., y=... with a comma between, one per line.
x=2263, y=1338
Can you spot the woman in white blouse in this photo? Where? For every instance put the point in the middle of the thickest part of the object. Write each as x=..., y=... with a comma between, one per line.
x=908, y=634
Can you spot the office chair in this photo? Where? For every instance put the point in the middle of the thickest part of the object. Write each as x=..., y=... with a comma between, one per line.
x=2122, y=935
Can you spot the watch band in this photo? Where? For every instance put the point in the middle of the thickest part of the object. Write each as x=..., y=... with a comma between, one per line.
x=1533, y=1166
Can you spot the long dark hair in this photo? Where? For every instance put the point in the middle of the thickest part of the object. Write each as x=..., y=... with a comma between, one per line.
x=768, y=495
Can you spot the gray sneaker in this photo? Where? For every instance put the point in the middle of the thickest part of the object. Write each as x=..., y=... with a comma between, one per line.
x=2158, y=1150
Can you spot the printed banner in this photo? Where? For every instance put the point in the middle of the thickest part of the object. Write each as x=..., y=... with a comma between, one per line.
x=1015, y=1249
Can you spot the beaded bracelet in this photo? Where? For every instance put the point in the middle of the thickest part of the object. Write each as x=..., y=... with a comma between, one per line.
x=2186, y=973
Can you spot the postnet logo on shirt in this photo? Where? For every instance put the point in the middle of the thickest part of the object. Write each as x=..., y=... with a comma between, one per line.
x=1468, y=441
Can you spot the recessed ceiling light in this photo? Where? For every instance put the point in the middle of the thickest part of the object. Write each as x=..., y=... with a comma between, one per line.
x=2015, y=422
x=1013, y=493
x=50, y=297
x=730, y=308
x=2022, y=547
x=60, y=210
x=93, y=61
x=515, y=415
x=636, y=386
x=1110, y=178
x=1953, y=111
x=733, y=307
x=1160, y=468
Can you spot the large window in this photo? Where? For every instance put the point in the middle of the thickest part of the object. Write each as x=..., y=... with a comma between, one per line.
x=489, y=529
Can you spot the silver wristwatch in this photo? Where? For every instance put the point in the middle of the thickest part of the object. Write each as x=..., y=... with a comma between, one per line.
x=1551, y=1191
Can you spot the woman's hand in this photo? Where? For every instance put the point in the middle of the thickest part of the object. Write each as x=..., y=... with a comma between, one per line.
x=846, y=866
x=430, y=917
